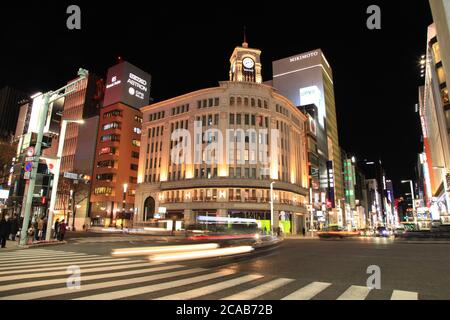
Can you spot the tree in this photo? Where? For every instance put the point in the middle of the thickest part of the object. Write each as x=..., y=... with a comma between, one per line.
x=80, y=192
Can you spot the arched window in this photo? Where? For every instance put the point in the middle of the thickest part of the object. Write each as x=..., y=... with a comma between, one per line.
x=232, y=101
x=149, y=209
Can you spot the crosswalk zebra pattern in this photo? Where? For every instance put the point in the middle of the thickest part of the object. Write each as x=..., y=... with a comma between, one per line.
x=116, y=239
x=43, y=274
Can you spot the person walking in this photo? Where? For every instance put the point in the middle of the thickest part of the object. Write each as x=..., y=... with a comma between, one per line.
x=62, y=230
x=40, y=229
x=56, y=232
x=44, y=230
x=5, y=230
x=14, y=227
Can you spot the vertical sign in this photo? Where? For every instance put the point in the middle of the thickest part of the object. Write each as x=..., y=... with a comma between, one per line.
x=330, y=176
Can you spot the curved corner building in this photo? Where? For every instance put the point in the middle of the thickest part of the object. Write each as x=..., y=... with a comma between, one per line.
x=215, y=152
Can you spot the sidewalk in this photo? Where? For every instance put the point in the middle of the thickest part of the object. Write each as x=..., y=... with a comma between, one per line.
x=14, y=245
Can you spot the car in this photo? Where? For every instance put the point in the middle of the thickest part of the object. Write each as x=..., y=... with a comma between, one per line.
x=399, y=231
x=382, y=232
x=366, y=232
x=336, y=232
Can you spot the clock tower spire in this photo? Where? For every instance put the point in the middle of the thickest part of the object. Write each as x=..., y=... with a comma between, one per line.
x=245, y=63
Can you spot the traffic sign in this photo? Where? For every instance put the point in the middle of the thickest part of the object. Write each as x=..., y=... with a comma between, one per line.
x=30, y=152
x=28, y=166
x=27, y=175
x=28, y=159
x=70, y=175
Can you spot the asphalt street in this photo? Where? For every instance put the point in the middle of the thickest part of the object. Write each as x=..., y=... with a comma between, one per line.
x=295, y=269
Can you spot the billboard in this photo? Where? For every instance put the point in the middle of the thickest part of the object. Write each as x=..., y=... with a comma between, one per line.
x=127, y=84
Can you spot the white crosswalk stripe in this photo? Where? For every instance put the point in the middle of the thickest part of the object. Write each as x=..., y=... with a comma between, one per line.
x=112, y=239
x=42, y=274
x=308, y=292
x=259, y=290
x=195, y=293
x=355, y=293
x=404, y=295
x=157, y=287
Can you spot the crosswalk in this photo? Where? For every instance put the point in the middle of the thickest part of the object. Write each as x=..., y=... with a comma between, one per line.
x=107, y=239
x=43, y=274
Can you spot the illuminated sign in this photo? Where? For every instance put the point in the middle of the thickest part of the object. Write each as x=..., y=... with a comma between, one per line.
x=313, y=95
x=330, y=176
x=127, y=84
x=304, y=56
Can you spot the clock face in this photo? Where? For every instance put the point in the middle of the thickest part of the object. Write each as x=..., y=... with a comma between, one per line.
x=248, y=63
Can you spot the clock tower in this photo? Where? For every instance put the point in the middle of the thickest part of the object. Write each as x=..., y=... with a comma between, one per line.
x=245, y=64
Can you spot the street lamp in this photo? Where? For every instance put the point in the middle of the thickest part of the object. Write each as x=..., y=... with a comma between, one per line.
x=48, y=98
x=413, y=199
x=444, y=180
x=62, y=138
x=125, y=188
x=271, y=207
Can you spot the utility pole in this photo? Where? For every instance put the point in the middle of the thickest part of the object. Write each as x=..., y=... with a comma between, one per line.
x=271, y=207
x=47, y=100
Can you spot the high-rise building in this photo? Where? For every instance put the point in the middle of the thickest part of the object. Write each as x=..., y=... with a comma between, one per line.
x=9, y=111
x=118, y=142
x=79, y=150
x=26, y=138
x=263, y=140
x=307, y=79
x=434, y=110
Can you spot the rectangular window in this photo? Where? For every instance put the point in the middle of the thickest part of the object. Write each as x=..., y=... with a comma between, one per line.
x=247, y=119
x=134, y=167
x=136, y=143
x=135, y=154
x=216, y=102
x=216, y=119
x=238, y=118
x=231, y=118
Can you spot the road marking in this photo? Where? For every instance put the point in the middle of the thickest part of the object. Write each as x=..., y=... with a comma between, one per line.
x=64, y=265
x=308, y=292
x=16, y=286
x=259, y=290
x=195, y=293
x=19, y=254
x=23, y=265
x=404, y=295
x=48, y=261
x=157, y=287
x=64, y=273
x=355, y=293
x=101, y=285
x=18, y=260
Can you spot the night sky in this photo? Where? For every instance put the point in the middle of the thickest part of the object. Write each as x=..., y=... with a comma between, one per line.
x=187, y=48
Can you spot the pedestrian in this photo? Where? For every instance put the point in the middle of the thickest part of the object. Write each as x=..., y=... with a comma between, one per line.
x=304, y=231
x=56, y=232
x=5, y=230
x=62, y=230
x=14, y=227
x=44, y=230
x=40, y=229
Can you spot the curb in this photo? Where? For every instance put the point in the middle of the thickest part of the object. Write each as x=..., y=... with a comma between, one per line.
x=31, y=246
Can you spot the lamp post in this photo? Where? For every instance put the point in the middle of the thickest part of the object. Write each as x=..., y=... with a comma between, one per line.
x=271, y=207
x=124, y=202
x=48, y=98
x=56, y=175
x=444, y=180
x=413, y=199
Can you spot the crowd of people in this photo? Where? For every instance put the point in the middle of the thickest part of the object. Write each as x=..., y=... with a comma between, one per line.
x=10, y=229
